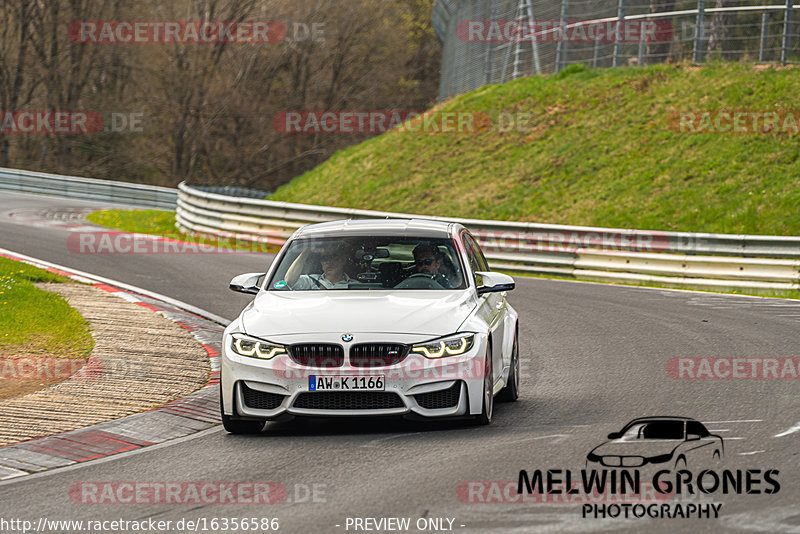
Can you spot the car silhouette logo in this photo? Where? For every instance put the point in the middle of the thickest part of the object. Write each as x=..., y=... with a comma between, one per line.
x=677, y=442
x=347, y=338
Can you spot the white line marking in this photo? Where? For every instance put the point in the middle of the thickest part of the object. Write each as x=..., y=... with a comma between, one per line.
x=739, y=421
x=559, y=438
x=750, y=453
x=13, y=473
x=788, y=431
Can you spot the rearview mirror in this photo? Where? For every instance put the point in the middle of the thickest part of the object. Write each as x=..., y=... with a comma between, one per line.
x=491, y=282
x=615, y=435
x=246, y=283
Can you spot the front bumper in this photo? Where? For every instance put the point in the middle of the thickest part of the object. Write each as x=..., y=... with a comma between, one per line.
x=269, y=389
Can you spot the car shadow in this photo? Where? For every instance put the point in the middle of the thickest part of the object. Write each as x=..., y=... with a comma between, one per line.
x=505, y=414
x=372, y=426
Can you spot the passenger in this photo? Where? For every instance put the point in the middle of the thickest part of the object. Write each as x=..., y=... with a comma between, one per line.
x=333, y=261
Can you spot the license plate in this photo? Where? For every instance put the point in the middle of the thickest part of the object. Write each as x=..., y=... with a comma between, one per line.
x=346, y=383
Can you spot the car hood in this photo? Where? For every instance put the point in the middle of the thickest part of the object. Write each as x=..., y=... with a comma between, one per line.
x=402, y=312
x=640, y=447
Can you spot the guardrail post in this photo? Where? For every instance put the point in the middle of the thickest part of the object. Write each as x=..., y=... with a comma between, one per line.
x=617, y=43
x=595, y=53
x=561, y=44
x=787, y=26
x=700, y=32
x=762, y=47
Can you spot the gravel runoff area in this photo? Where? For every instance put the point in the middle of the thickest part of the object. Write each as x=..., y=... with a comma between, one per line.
x=141, y=360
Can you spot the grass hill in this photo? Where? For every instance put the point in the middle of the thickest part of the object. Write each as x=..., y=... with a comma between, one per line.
x=600, y=147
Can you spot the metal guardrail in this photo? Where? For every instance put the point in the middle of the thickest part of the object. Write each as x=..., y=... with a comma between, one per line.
x=668, y=258
x=144, y=196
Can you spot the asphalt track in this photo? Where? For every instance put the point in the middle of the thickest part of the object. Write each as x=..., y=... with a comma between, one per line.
x=593, y=358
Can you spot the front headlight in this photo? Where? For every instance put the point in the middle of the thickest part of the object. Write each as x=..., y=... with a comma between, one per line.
x=447, y=346
x=255, y=348
x=659, y=459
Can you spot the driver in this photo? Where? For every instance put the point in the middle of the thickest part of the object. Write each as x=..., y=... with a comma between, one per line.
x=427, y=263
x=333, y=276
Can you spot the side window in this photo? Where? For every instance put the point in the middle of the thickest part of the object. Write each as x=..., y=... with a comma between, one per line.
x=476, y=259
x=472, y=257
x=481, y=257
x=693, y=427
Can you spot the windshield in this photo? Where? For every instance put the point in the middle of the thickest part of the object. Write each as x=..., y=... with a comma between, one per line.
x=368, y=262
x=655, y=430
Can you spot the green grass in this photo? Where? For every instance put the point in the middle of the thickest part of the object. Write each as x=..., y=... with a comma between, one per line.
x=600, y=150
x=156, y=222
x=162, y=223
x=36, y=321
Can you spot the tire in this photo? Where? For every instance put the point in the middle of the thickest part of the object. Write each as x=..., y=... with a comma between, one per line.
x=680, y=463
x=487, y=409
x=238, y=426
x=510, y=392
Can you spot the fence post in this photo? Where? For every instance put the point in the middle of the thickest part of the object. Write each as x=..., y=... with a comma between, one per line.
x=490, y=50
x=700, y=32
x=641, y=48
x=787, y=25
x=561, y=44
x=537, y=67
x=595, y=53
x=617, y=43
x=762, y=47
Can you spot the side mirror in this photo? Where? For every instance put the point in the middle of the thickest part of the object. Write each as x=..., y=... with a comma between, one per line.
x=490, y=282
x=692, y=437
x=615, y=435
x=246, y=283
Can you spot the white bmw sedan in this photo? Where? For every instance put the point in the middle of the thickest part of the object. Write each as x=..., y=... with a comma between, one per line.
x=371, y=318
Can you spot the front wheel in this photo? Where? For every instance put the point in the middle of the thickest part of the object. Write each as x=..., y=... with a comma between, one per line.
x=238, y=426
x=485, y=416
x=510, y=392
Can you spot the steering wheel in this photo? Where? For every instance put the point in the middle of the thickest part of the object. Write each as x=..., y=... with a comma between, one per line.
x=419, y=281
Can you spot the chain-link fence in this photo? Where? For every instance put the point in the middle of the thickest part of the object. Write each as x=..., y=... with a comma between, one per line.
x=493, y=41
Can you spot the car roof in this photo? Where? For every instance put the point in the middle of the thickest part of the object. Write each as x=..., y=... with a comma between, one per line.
x=660, y=418
x=384, y=227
